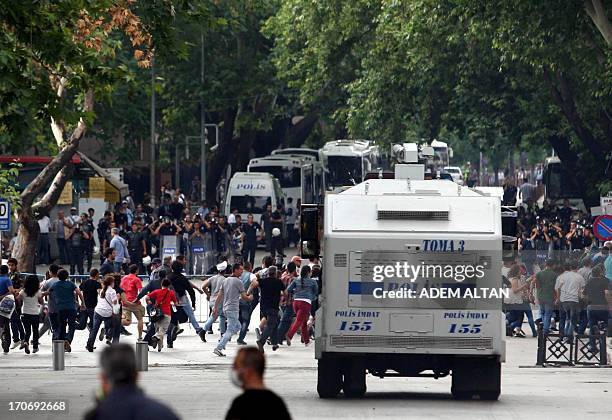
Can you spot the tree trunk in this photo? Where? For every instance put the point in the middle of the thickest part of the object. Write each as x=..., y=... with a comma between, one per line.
x=243, y=149
x=564, y=99
x=562, y=148
x=57, y=172
x=27, y=242
x=300, y=131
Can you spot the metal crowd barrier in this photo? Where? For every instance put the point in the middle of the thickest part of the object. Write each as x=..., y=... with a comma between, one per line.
x=580, y=350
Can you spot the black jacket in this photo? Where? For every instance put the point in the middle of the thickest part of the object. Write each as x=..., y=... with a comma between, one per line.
x=181, y=285
x=128, y=402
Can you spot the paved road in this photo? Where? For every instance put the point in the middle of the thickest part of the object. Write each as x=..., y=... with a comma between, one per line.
x=196, y=384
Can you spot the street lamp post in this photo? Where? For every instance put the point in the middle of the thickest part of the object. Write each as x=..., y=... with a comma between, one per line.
x=202, y=127
x=152, y=151
x=190, y=140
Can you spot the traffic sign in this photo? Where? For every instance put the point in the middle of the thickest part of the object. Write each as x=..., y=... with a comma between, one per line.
x=5, y=215
x=602, y=228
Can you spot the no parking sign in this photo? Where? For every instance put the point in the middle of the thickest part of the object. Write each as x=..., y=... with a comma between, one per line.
x=602, y=228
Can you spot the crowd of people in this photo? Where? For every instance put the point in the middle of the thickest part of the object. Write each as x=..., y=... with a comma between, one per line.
x=139, y=233
x=561, y=267
x=112, y=296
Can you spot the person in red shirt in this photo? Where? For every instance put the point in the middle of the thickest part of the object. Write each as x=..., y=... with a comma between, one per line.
x=131, y=285
x=162, y=298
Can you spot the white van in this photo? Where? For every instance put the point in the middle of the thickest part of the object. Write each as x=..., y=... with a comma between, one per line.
x=250, y=192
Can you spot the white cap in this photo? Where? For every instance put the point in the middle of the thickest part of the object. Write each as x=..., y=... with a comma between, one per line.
x=608, y=244
x=222, y=266
x=276, y=232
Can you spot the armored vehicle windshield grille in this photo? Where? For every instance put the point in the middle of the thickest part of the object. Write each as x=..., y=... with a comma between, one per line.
x=427, y=342
x=412, y=215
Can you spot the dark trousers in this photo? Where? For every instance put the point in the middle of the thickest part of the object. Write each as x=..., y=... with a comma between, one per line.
x=5, y=333
x=17, y=326
x=115, y=331
x=88, y=254
x=583, y=322
x=30, y=324
x=51, y=322
x=150, y=333
x=136, y=258
x=285, y=322
x=66, y=318
x=268, y=239
x=270, y=331
x=62, y=246
x=76, y=259
x=290, y=235
x=597, y=317
x=244, y=318
x=101, y=242
x=97, y=322
x=248, y=254
x=571, y=315
x=43, y=249
x=85, y=319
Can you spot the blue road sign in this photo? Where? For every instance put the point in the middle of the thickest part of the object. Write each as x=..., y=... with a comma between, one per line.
x=5, y=215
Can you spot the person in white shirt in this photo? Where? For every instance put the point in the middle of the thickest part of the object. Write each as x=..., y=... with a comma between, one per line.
x=74, y=216
x=44, y=223
x=231, y=218
x=31, y=299
x=568, y=289
x=586, y=269
x=62, y=229
x=103, y=312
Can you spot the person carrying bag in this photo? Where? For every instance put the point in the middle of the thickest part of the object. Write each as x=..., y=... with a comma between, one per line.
x=161, y=313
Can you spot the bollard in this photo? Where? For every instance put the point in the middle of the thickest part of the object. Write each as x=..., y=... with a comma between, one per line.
x=603, y=349
x=142, y=356
x=58, y=355
x=541, y=355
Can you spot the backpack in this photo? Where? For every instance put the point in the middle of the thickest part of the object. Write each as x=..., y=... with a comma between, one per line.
x=7, y=306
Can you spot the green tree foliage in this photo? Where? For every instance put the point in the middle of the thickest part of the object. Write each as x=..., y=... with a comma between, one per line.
x=56, y=58
x=500, y=75
x=240, y=91
x=8, y=184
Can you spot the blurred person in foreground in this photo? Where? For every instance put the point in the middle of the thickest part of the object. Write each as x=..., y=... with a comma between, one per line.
x=247, y=373
x=119, y=397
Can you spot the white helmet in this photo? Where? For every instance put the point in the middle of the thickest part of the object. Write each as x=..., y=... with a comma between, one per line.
x=276, y=232
x=146, y=261
x=222, y=266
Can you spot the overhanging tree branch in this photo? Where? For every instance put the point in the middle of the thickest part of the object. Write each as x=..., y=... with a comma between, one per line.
x=597, y=12
x=47, y=202
x=62, y=159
